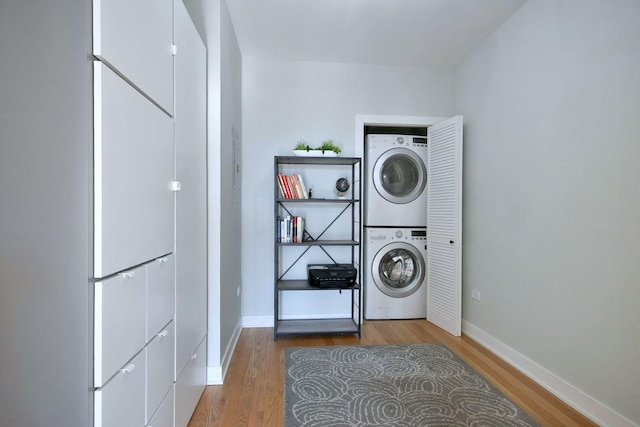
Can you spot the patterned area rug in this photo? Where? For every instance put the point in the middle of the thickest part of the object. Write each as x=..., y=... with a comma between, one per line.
x=390, y=385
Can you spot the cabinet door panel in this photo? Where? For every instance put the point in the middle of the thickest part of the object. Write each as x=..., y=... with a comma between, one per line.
x=119, y=324
x=135, y=38
x=164, y=416
x=121, y=402
x=191, y=200
x=190, y=385
x=160, y=294
x=133, y=150
x=160, y=368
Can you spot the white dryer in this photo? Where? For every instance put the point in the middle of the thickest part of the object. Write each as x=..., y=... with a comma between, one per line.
x=396, y=179
x=396, y=270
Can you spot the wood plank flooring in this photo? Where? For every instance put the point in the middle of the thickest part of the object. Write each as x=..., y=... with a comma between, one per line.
x=252, y=394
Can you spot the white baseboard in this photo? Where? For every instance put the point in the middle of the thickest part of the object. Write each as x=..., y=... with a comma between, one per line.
x=216, y=374
x=257, y=321
x=582, y=402
x=585, y=404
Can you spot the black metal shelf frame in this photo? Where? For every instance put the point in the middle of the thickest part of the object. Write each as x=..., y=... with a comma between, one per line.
x=352, y=205
x=316, y=241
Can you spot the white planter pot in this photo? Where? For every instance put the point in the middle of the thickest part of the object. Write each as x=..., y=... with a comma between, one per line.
x=314, y=153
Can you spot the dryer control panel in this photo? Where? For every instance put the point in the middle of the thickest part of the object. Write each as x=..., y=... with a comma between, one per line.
x=419, y=141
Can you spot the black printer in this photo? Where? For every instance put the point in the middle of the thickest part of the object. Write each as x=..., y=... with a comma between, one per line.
x=337, y=276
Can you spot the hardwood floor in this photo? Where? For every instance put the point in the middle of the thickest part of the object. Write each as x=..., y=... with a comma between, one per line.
x=252, y=394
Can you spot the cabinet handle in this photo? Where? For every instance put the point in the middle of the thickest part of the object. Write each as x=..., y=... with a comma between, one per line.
x=162, y=260
x=128, y=274
x=451, y=241
x=194, y=357
x=127, y=369
x=163, y=333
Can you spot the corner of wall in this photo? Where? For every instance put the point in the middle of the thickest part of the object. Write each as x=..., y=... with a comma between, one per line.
x=216, y=374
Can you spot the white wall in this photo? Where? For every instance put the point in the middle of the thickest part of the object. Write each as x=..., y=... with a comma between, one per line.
x=285, y=101
x=551, y=200
x=230, y=213
x=45, y=169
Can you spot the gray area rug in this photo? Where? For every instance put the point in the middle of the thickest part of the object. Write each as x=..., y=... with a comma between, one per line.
x=390, y=385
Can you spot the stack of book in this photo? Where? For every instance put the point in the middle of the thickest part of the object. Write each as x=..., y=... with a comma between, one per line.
x=292, y=186
x=290, y=229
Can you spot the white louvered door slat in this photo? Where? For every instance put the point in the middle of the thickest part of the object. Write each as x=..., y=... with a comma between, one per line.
x=444, y=225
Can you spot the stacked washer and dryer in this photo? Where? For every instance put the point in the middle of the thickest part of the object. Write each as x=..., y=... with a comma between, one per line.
x=395, y=227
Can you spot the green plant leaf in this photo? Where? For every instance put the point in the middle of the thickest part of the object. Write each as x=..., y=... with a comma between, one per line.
x=328, y=145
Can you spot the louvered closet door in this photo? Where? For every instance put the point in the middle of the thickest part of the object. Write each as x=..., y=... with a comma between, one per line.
x=444, y=225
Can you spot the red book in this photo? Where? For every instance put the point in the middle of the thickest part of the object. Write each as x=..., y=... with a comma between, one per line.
x=292, y=187
x=296, y=185
x=279, y=179
x=294, y=231
x=285, y=186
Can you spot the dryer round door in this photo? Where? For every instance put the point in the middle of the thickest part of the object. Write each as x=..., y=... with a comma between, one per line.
x=399, y=175
x=398, y=269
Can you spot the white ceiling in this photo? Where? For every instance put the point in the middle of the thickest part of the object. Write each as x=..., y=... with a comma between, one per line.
x=389, y=32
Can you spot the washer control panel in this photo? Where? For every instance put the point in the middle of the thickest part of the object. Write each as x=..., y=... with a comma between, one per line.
x=410, y=234
x=397, y=234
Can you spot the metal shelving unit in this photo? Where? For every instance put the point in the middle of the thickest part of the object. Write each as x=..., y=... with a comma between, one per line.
x=343, y=206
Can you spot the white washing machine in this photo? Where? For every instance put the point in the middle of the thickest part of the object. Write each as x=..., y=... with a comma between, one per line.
x=396, y=181
x=396, y=271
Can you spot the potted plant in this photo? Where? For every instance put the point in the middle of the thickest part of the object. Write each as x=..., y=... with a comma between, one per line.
x=326, y=148
x=302, y=149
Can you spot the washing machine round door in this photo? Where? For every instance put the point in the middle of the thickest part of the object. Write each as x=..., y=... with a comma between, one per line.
x=398, y=269
x=400, y=175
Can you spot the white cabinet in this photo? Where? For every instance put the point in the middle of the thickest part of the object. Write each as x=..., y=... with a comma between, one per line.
x=150, y=264
x=127, y=362
x=121, y=401
x=164, y=415
x=190, y=385
x=160, y=294
x=191, y=200
x=133, y=161
x=135, y=37
x=160, y=366
x=119, y=321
